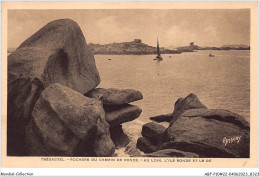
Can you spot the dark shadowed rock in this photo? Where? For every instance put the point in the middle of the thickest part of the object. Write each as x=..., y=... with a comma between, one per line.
x=114, y=96
x=162, y=118
x=172, y=153
x=153, y=131
x=65, y=118
x=182, y=104
x=22, y=95
x=145, y=145
x=57, y=53
x=210, y=133
x=118, y=136
x=120, y=114
x=34, y=145
x=104, y=146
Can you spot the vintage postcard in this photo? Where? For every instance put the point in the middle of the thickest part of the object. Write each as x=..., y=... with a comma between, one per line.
x=129, y=84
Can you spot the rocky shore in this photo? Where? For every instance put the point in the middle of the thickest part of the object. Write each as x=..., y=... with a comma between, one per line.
x=55, y=108
x=196, y=131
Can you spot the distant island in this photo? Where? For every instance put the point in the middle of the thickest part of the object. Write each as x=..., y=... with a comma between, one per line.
x=136, y=47
x=227, y=47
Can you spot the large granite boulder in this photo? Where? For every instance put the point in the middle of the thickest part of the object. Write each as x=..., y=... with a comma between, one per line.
x=113, y=96
x=21, y=98
x=182, y=104
x=121, y=114
x=57, y=53
x=117, y=109
x=189, y=102
x=146, y=145
x=219, y=114
x=210, y=133
x=67, y=120
x=206, y=132
x=153, y=131
x=152, y=137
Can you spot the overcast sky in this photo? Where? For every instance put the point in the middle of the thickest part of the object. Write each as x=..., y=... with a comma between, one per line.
x=173, y=27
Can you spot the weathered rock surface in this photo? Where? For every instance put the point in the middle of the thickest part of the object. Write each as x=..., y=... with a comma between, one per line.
x=153, y=131
x=172, y=153
x=183, y=104
x=57, y=53
x=118, y=111
x=114, y=96
x=210, y=133
x=120, y=114
x=22, y=95
x=38, y=143
x=118, y=136
x=145, y=145
x=218, y=114
x=65, y=118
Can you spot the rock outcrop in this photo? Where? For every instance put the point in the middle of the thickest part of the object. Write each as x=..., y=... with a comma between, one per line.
x=210, y=133
x=117, y=115
x=182, y=104
x=66, y=120
x=189, y=102
x=153, y=131
x=117, y=109
x=204, y=132
x=146, y=145
x=57, y=53
x=118, y=136
x=153, y=135
x=122, y=114
x=113, y=96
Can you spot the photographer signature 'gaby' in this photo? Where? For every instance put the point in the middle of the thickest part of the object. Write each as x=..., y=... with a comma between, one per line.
x=231, y=140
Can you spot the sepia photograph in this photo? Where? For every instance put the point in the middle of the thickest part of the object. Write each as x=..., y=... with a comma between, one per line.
x=137, y=83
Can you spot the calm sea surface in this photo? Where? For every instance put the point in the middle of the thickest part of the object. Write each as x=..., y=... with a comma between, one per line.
x=220, y=82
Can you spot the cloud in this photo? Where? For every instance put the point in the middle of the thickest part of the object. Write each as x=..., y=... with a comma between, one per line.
x=109, y=30
x=173, y=27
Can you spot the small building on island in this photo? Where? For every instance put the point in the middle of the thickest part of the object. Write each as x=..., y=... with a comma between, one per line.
x=137, y=40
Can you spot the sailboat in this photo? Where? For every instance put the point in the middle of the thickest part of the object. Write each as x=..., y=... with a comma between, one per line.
x=211, y=55
x=158, y=57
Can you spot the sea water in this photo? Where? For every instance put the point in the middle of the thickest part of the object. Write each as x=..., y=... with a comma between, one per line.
x=220, y=82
